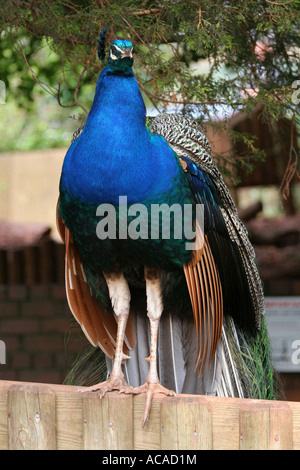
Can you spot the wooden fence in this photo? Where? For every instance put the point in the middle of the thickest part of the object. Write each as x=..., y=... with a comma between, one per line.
x=40, y=416
x=42, y=263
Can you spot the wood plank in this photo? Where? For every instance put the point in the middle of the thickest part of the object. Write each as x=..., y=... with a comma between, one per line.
x=3, y=419
x=31, y=418
x=295, y=407
x=186, y=424
x=46, y=261
x=108, y=421
x=15, y=266
x=31, y=265
x=281, y=427
x=147, y=438
x=230, y=416
x=226, y=414
x=69, y=417
x=3, y=267
x=254, y=427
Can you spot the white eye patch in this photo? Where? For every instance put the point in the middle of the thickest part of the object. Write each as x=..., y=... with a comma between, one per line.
x=112, y=55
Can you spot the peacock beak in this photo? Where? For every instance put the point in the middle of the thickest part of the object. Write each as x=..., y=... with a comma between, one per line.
x=127, y=52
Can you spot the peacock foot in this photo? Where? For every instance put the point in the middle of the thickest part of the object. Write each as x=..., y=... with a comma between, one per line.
x=150, y=389
x=112, y=383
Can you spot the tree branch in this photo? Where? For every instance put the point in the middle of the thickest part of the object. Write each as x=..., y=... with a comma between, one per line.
x=151, y=11
x=291, y=169
x=280, y=3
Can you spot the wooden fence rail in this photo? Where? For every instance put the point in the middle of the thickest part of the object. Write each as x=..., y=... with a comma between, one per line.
x=42, y=263
x=40, y=416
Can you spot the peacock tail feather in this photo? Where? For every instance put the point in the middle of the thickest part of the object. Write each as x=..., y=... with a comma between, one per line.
x=89, y=368
x=246, y=364
x=248, y=358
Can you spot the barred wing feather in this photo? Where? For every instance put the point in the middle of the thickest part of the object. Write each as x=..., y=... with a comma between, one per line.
x=226, y=235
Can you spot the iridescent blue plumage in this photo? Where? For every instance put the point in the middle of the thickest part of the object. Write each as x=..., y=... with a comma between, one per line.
x=101, y=44
x=117, y=155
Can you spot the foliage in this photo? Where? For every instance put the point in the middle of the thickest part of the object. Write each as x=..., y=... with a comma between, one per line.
x=202, y=57
x=253, y=359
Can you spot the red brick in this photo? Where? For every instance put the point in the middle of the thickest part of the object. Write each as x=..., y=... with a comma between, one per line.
x=49, y=376
x=58, y=292
x=62, y=361
x=296, y=287
x=280, y=287
x=55, y=325
x=19, y=326
x=61, y=308
x=41, y=336
x=292, y=395
x=43, y=361
x=39, y=308
x=65, y=360
x=42, y=343
x=20, y=360
x=9, y=309
x=17, y=292
x=39, y=292
x=12, y=343
x=3, y=292
x=65, y=310
x=77, y=345
x=291, y=379
x=6, y=373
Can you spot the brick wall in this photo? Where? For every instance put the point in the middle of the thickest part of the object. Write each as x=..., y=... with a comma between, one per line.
x=42, y=339
x=40, y=335
x=282, y=287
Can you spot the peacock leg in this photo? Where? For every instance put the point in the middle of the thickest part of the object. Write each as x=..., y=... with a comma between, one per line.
x=120, y=299
x=154, y=311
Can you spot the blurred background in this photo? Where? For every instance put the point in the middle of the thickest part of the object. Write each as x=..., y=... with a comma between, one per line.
x=250, y=117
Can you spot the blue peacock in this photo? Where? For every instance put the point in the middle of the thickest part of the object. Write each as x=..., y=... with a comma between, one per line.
x=196, y=315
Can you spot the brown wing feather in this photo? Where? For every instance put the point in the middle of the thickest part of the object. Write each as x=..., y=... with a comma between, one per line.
x=206, y=298
x=99, y=327
x=59, y=223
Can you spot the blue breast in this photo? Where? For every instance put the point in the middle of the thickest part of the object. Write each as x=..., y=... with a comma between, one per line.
x=116, y=154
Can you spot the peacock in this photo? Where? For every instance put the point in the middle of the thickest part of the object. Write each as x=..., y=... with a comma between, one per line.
x=182, y=289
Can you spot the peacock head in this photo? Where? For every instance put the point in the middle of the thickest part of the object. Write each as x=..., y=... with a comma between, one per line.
x=120, y=53
x=120, y=57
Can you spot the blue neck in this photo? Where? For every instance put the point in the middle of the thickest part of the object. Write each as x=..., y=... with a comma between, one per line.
x=116, y=155
x=117, y=101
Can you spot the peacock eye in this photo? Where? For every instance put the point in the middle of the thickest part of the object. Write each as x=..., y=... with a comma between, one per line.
x=113, y=50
